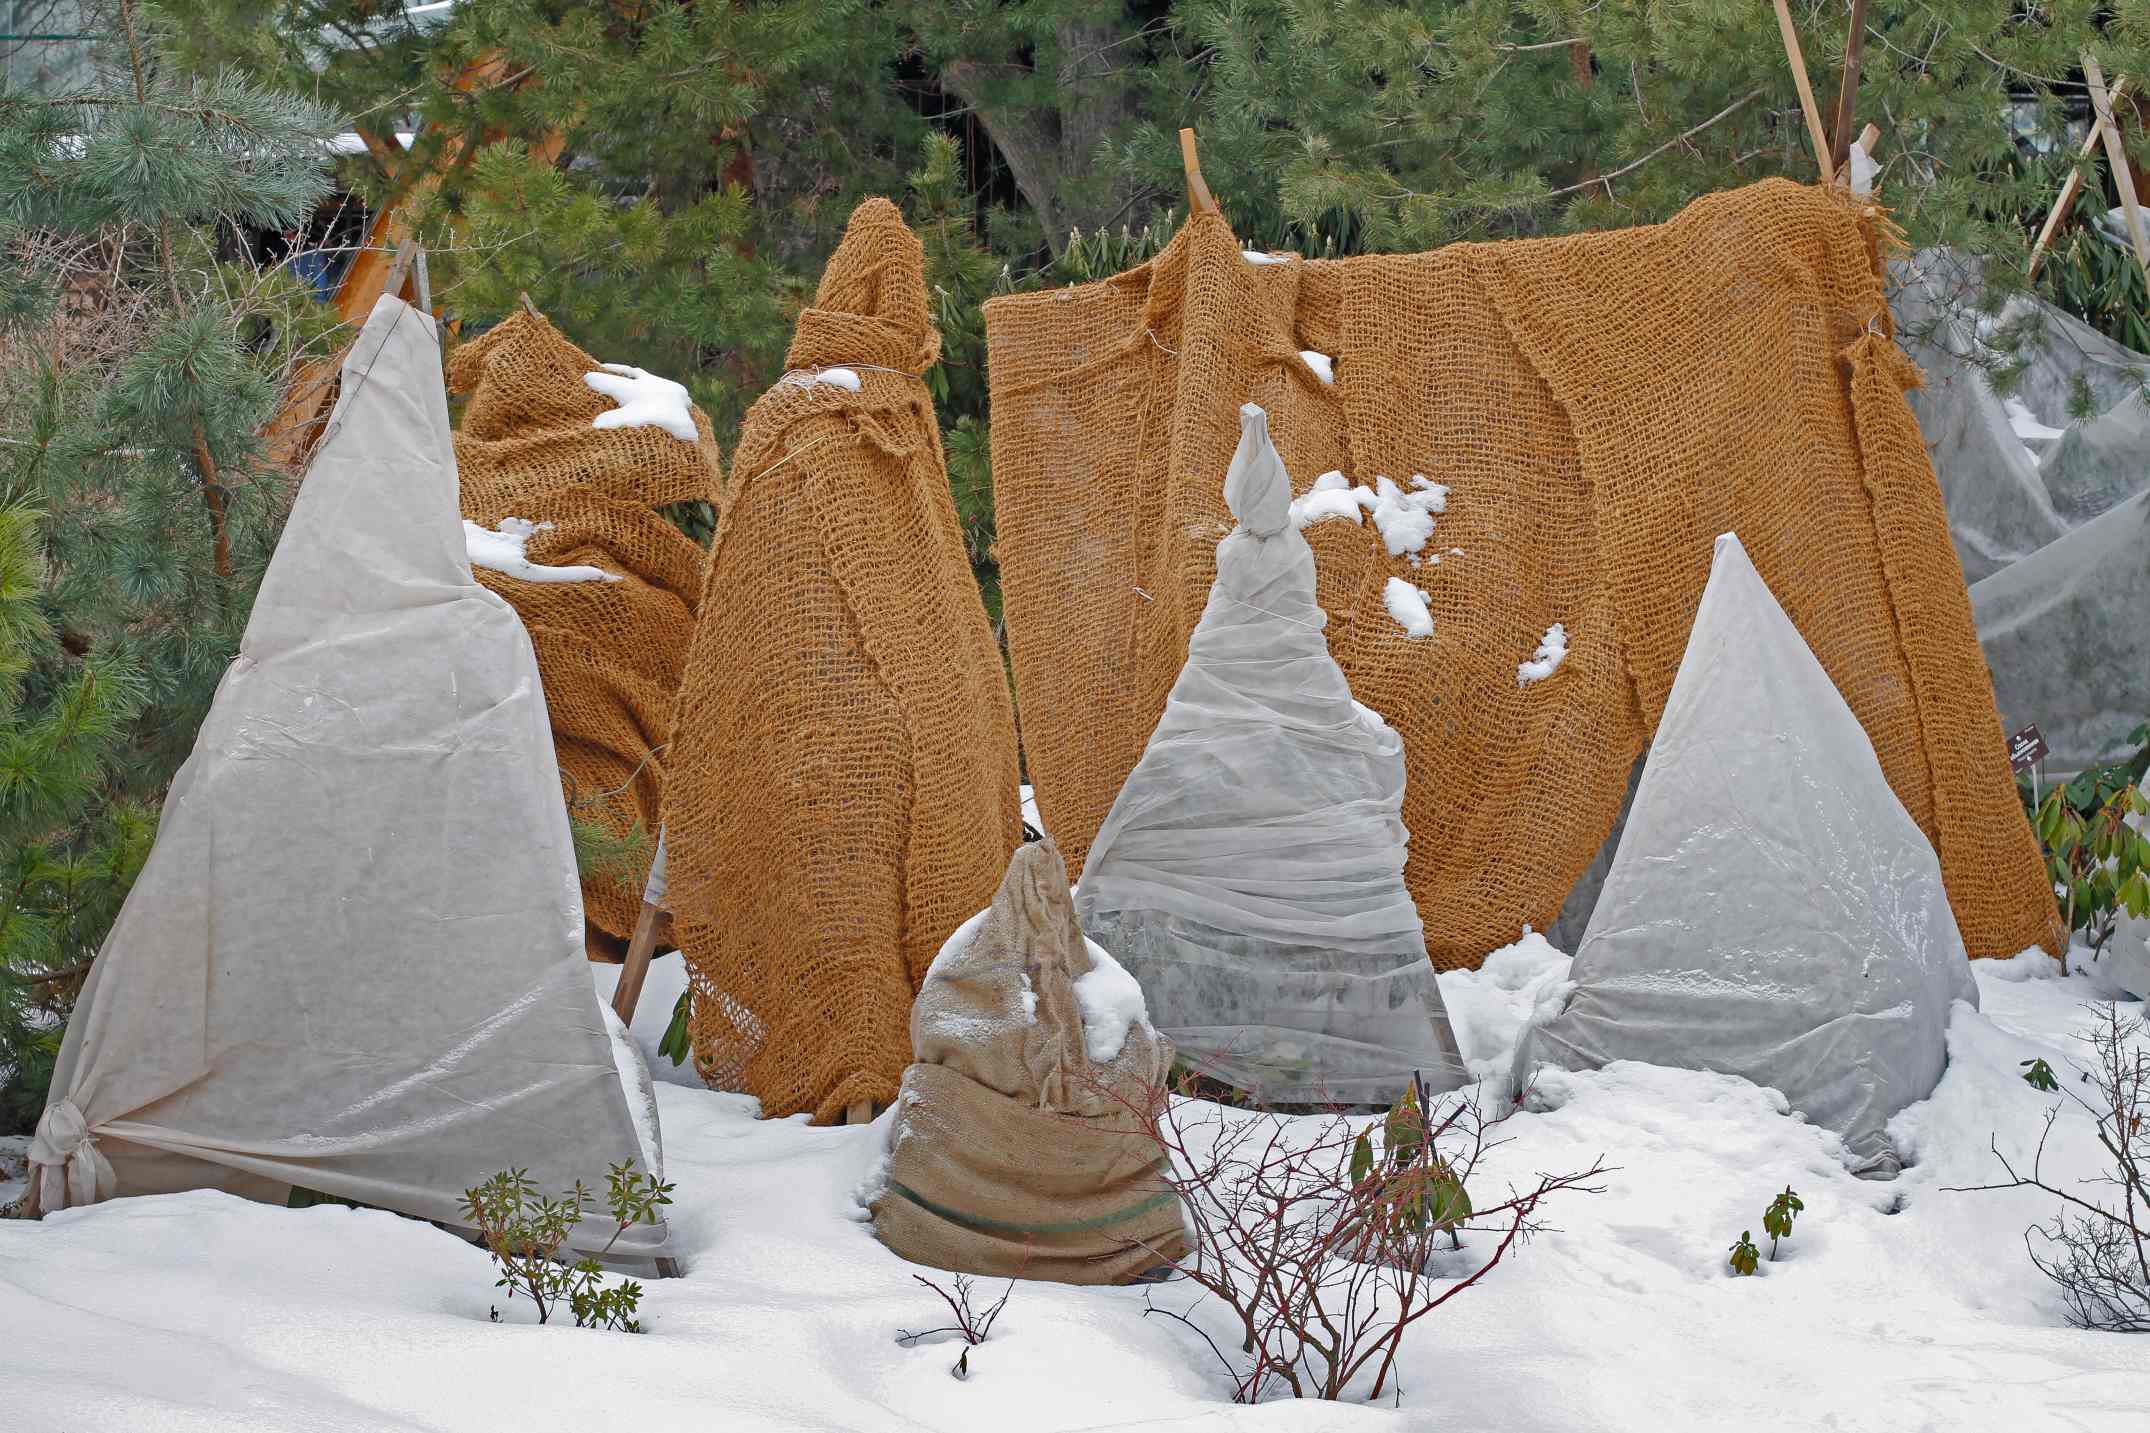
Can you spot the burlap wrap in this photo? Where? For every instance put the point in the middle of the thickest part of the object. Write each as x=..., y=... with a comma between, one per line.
x=1012, y=1153
x=610, y=653
x=1602, y=407
x=843, y=770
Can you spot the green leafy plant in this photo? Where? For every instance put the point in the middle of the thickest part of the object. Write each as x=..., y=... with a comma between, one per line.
x=525, y=1231
x=1745, y=1257
x=1777, y=1218
x=1408, y=1186
x=676, y=1046
x=2100, y=863
x=2039, y=1076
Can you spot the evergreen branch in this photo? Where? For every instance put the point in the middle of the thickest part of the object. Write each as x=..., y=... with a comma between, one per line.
x=1742, y=102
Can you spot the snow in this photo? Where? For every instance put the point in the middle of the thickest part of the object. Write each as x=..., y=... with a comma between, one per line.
x=14, y=1170
x=661, y=989
x=953, y=947
x=1552, y=651
x=646, y=401
x=1406, y=518
x=503, y=551
x=1407, y=605
x=632, y=1067
x=1330, y=498
x=1030, y=810
x=1324, y=366
x=1893, y=1307
x=2026, y=423
x=1111, y=1002
x=1255, y=256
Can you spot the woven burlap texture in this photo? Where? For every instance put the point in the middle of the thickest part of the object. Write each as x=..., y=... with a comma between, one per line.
x=1601, y=407
x=610, y=653
x=1013, y=1153
x=843, y=769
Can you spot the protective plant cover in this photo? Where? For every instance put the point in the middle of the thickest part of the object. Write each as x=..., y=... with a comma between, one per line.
x=2016, y=471
x=1772, y=912
x=843, y=779
x=1250, y=874
x=611, y=653
x=1018, y=1147
x=353, y=962
x=2067, y=633
x=1599, y=407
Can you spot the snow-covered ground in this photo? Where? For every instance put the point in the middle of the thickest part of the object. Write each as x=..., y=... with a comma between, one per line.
x=1897, y=1306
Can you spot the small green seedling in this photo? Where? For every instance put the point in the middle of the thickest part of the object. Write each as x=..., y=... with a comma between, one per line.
x=2039, y=1075
x=1777, y=1218
x=1745, y=1257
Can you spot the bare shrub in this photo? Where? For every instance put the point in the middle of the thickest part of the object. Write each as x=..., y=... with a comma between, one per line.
x=1328, y=1236
x=2096, y=1248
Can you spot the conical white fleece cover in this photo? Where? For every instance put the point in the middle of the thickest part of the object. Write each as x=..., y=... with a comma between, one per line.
x=354, y=962
x=1772, y=910
x=1250, y=873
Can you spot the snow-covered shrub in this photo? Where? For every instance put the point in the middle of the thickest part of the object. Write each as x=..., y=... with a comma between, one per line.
x=524, y=1231
x=1320, y=1240
x=2096, y=1248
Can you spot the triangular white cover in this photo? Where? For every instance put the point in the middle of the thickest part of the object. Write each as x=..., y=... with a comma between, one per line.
x=354, y=960
x=1250, y=872
x=1772, y=911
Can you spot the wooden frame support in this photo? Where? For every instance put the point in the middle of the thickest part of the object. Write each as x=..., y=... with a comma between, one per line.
x=628, y=993
x=2074, y=184
x=1199, y=199
x=2123, y=177
x=1806, y=92
x=1847, y=90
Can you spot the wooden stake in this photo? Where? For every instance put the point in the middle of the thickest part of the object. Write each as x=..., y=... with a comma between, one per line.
x=2123, y=177
x=2074, y=184
x=860, y=1113
x=1199, y=199
x=1806, y=91
x=628, y=993
x=406, y=255
x=1847, y=90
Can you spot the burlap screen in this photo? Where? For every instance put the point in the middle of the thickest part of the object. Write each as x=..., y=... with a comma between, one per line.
x=843, y=768
x=1601, y=407
x=610, y=653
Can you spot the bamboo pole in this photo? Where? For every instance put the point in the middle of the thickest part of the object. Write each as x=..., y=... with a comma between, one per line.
x=1806, y=92
x=2074, y=184
x=628, y=993
x=2123, y=177
x=1199, y=199
x=1847, y=90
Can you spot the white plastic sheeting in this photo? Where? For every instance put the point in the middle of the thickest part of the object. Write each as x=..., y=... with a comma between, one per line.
x=354, y=960
x=1772, y=911
x=1250, y=873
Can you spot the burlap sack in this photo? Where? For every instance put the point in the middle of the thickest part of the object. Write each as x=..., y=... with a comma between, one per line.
x=843, y=771
x=1013, y=1153
x=610, y=652
x=1601, y=407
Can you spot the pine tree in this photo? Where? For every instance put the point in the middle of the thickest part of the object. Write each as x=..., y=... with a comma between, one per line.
x=135, y=511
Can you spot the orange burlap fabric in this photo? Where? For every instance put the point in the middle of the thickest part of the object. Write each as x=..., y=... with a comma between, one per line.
x=1601, y=408
x=609, y=653
x=843, y=769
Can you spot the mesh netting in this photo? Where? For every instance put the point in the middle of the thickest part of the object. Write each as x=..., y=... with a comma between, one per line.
x=1600, y=407
x=610, y=653
x=843, y=770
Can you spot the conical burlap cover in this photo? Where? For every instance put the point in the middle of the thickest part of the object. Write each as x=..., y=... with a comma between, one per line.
x=354, y=960
x=1772, y=910
x=1250, y=873
x=843, y=787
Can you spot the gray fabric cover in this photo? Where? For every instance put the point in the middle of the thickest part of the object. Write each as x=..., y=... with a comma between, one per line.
x=354, y=961
x=2067, y=634
x=1772, y=911
x=2009, y=494
x=1250, y=872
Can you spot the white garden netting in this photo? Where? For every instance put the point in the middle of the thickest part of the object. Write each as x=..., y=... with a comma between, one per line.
x=1250, y=872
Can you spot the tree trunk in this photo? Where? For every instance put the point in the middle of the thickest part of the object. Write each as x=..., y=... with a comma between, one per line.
x=1048, y=124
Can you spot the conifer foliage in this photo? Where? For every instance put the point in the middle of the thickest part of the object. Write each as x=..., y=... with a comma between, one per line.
x=135, y=511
